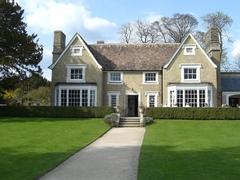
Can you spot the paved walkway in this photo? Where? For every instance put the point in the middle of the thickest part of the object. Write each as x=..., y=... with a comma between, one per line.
x=112, y=157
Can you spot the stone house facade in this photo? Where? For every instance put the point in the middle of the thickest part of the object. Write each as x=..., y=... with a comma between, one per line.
x=132, y=75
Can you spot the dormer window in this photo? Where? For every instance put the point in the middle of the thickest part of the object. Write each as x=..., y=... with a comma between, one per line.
x=76, y=50
x=189, y=49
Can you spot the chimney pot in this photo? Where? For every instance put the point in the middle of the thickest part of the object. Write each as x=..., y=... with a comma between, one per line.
x=100, y=42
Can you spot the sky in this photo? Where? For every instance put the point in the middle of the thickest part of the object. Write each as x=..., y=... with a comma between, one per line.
x=101, y=19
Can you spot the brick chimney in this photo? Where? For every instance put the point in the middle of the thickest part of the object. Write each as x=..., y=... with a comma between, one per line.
x=213, y=45
x=58, y=44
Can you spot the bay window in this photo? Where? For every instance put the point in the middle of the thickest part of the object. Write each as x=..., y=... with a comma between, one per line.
x=76, y=96
x=190, y=96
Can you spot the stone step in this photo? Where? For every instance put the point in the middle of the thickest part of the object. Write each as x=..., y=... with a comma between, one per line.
x=129, y=125
x=129, y=120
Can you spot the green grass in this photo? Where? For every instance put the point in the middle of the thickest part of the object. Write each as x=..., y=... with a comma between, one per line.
x=31, y=146
x=191, y=150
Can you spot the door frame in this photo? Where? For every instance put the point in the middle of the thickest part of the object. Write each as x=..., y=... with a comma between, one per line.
x=136, y=94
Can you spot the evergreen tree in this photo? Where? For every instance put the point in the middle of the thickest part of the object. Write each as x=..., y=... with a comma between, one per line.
x=20, y=52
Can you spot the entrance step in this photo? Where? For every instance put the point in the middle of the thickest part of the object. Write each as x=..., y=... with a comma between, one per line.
x=129, y=122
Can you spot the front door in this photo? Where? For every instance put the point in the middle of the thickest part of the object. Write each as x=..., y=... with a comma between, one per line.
x=132, y=105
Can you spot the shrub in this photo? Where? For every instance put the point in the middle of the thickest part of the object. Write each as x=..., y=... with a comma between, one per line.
x=51, y=111
x=148, y=120
x=194, y=113
x=112, y=119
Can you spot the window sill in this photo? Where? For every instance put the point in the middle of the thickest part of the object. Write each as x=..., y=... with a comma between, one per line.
x=76, y=80
x=115, y=83
x=150, y=83
x=191, y=81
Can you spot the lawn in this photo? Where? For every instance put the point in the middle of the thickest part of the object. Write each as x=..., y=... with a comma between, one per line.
x=31, y=146
x=191, y=150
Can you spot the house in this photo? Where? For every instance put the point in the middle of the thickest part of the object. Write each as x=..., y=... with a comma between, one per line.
x=133, y=75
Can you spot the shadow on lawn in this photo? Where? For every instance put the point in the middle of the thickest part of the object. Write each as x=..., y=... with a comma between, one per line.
x=157, y=162
x=36, y=119
x=26, y=166
x=166, y=162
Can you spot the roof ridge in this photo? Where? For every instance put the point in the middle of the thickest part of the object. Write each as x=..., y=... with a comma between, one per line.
x=133, y=44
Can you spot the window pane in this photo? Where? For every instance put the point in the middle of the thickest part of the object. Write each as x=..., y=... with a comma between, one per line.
x=74, y=97
x=84, y=97
x=115, y=76
x=191, y=98
x=92, y=98
x=202, y=98
x=152, y=101
x=113, y=100
x=189, y=50
x=180, y=98
x=190, y=73
x=63, y=97
x=171, y=98
x=77, y=73
x=150, y=77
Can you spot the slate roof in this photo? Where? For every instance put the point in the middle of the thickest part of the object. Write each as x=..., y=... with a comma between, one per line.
x=133, y=56
x=230, y=81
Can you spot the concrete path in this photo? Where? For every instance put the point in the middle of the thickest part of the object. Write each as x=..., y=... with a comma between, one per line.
x=112, y=157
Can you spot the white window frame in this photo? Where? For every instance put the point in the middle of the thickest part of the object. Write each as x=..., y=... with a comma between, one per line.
x=110, y=93
x=187, y=46
x=76, y=66
x=74, y=47
x=155, y=99
x=150, y=82
x=197, y=87
x=71, y=87
x=190, y=66
x=109, y=81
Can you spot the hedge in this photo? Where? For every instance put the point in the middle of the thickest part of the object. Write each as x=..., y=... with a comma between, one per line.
x=51, y=111
x=194, y=113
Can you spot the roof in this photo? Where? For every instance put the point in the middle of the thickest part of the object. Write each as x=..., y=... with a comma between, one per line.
x=197, y=44
x=230, y=81
x=133, y=56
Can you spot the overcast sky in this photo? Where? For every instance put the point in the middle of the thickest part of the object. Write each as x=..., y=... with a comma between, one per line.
x=100, y=19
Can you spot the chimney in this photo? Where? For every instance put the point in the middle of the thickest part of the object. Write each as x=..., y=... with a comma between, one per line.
x=214, y=52
x=100, y=42
x=58, y=44
x=213, y=45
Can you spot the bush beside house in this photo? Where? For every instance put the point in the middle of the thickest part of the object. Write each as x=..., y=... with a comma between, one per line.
x=194, y=113
x=51, y=111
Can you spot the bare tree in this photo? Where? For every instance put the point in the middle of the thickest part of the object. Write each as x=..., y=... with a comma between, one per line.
x=178, y=26
x=200, y=36
x=126, y=32
x=142, y=31
x=222, y=22
x=159, y=29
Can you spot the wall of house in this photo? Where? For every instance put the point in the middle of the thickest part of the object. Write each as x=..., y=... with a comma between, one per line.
x=132, y=83
x=172, y=74
x=93, y=73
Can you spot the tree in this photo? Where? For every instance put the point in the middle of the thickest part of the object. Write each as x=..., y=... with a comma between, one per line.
x=178, y=26
x=19, y=52
x=142, y=31
x=223, y=22
x=126, y=32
